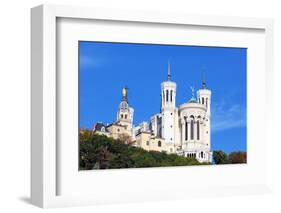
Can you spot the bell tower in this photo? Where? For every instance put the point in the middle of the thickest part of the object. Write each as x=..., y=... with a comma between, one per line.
x=168, y=108
x=125, y=113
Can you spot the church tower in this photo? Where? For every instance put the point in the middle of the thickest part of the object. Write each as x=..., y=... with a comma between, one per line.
x=125, y=113
x=168, y=108
x=204, y=98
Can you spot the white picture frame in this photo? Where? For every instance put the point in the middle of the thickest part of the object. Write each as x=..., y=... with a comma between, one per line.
x=44, y=148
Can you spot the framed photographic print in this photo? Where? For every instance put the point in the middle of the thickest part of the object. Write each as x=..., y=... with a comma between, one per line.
x=151, y=106
x=179, y=133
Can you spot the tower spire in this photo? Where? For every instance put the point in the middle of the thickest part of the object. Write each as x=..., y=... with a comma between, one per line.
x=169, y=71
x=203, y=80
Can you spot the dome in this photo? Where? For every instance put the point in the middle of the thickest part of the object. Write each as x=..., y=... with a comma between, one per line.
x=192, y=100
x=123, y=105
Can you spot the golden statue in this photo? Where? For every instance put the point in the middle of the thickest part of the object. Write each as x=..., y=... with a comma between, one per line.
x=124, y=92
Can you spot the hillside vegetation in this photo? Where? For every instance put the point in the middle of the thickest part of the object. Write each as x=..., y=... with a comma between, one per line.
x=101, y=152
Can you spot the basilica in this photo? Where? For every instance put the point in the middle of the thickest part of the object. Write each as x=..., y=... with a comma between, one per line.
x=184, y=130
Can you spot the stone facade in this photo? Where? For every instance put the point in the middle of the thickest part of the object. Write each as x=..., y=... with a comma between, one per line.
x=184, y=130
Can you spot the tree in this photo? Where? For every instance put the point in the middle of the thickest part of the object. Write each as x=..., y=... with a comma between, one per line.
x=220, y=157
x=125, y=138
x=237, y=157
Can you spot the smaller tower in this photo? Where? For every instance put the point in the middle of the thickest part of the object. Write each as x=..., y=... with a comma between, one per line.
x=204, y=98
x=125, y=113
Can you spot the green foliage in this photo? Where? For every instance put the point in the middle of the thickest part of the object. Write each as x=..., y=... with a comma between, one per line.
x=101, y=152
x=220, y=157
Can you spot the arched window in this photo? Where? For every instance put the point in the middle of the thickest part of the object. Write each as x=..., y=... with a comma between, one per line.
x=203, y=101
x=201, y=154
x=207, y=102
x=198, y=130
x=167, y=95
x=192, y=127
x=121, y=115
x=159, y=143
x=171, y=95
x=125, y=116
x=163, y=97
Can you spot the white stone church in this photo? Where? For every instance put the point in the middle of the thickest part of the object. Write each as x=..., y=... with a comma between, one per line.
x=184, y=129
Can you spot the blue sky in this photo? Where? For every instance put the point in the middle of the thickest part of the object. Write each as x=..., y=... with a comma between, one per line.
x=107, y=67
